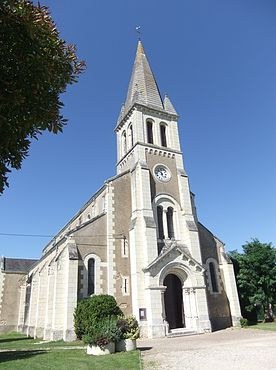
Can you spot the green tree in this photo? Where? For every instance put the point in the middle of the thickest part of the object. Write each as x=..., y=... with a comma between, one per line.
x=36, y=66
x=256, y=276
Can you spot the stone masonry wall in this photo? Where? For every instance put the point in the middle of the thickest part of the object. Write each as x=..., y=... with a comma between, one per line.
x=10, y=301
x=218, y=304
x=122, y=216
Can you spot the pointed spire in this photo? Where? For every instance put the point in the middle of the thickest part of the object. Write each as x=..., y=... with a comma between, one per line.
x=142, y=86
x=168, y=105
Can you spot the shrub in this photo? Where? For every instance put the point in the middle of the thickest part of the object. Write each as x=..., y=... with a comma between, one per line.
x=102, y=333
x=243, y=322
x=91, y=311
x=129, y=327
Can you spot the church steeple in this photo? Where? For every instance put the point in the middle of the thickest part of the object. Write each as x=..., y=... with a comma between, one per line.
x=142, y=87
x=145, y=119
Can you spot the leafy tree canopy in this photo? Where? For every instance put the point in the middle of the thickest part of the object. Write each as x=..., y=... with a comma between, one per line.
x=36, y=65
x=256, y=276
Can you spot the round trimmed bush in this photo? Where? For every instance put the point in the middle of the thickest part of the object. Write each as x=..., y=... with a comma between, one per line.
x=89, y=312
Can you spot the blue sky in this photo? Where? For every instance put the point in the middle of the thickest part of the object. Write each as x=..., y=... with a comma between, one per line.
x=217, y=62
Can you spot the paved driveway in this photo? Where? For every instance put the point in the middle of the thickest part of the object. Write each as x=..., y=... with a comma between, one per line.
x=228, y=349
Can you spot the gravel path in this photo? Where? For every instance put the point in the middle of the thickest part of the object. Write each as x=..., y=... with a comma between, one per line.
x=228, y=349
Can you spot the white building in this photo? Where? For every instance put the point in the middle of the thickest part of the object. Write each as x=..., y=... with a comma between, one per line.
x=138, y=238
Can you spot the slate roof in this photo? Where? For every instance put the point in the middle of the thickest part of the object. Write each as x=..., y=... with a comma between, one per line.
x=168, y=105
x=143, y=88
x=16, y=264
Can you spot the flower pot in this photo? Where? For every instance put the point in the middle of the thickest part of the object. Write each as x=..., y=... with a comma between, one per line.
x=125, y=345
x=98, y=351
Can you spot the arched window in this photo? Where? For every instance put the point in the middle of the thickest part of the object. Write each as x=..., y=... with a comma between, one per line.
x=130, y=136
x=163, y=135
x=91, y=276
x=213, y=277
x=170, y=223
x=124, y=143
x=149, y=132
x=160, y=222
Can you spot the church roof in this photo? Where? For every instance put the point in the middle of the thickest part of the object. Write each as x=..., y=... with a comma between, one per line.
x=16, y=264
x=142, y=86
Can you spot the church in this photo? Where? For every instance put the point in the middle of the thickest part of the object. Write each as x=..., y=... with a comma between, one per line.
x=137, y=238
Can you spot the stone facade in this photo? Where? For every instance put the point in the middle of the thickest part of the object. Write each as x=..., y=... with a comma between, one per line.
x=12, y=275
x=138, y=238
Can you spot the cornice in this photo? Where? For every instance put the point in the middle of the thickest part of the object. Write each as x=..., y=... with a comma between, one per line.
x=148, y=109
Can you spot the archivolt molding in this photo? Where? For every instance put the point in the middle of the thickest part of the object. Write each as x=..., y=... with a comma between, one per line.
x=91, y=255
x=97, y=273
x=178, y=269
x=164, y=198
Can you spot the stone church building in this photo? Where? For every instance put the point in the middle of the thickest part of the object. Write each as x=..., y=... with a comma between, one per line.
x=137, y=238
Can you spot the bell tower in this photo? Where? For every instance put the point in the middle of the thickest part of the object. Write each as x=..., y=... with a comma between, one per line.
x=148, y=138
x=163, y=217
x=136, y=124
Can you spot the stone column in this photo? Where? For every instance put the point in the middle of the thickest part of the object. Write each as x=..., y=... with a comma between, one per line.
x=36, y=313
x=49, y=303
x=21, y=313
x=71, y=287
x=32, y=306
x=203, y=322
x=165, y=225
x=194, y=310
x=53, y=302
x=187, y=308
x=110, y=219
x=231, y=292
x=156, y=324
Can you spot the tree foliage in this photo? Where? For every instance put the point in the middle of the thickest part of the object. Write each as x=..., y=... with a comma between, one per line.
x=256, y=276
x=36, y=65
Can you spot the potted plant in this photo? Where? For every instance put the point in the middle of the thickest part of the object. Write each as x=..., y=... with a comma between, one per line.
x=101, y=337
x=129, y=329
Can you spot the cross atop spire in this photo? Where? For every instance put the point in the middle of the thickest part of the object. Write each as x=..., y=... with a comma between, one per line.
x=143, y=87
x=138, y=30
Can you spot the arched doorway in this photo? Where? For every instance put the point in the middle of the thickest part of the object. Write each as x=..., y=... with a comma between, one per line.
x=173, y=300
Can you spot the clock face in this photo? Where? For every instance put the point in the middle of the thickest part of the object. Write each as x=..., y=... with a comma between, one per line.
x=162, y=173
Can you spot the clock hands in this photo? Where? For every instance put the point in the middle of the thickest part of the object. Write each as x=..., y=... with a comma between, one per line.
x=162, y=173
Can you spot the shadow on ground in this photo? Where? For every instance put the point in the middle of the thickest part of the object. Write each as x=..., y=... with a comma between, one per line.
x=6, y=340
x=18, y=355
x=144, y=348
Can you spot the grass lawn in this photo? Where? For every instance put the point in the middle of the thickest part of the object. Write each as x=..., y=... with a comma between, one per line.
x=264, y=326
x=19, y=352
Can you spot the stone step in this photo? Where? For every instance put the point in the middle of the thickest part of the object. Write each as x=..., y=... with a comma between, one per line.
x=181, y=332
